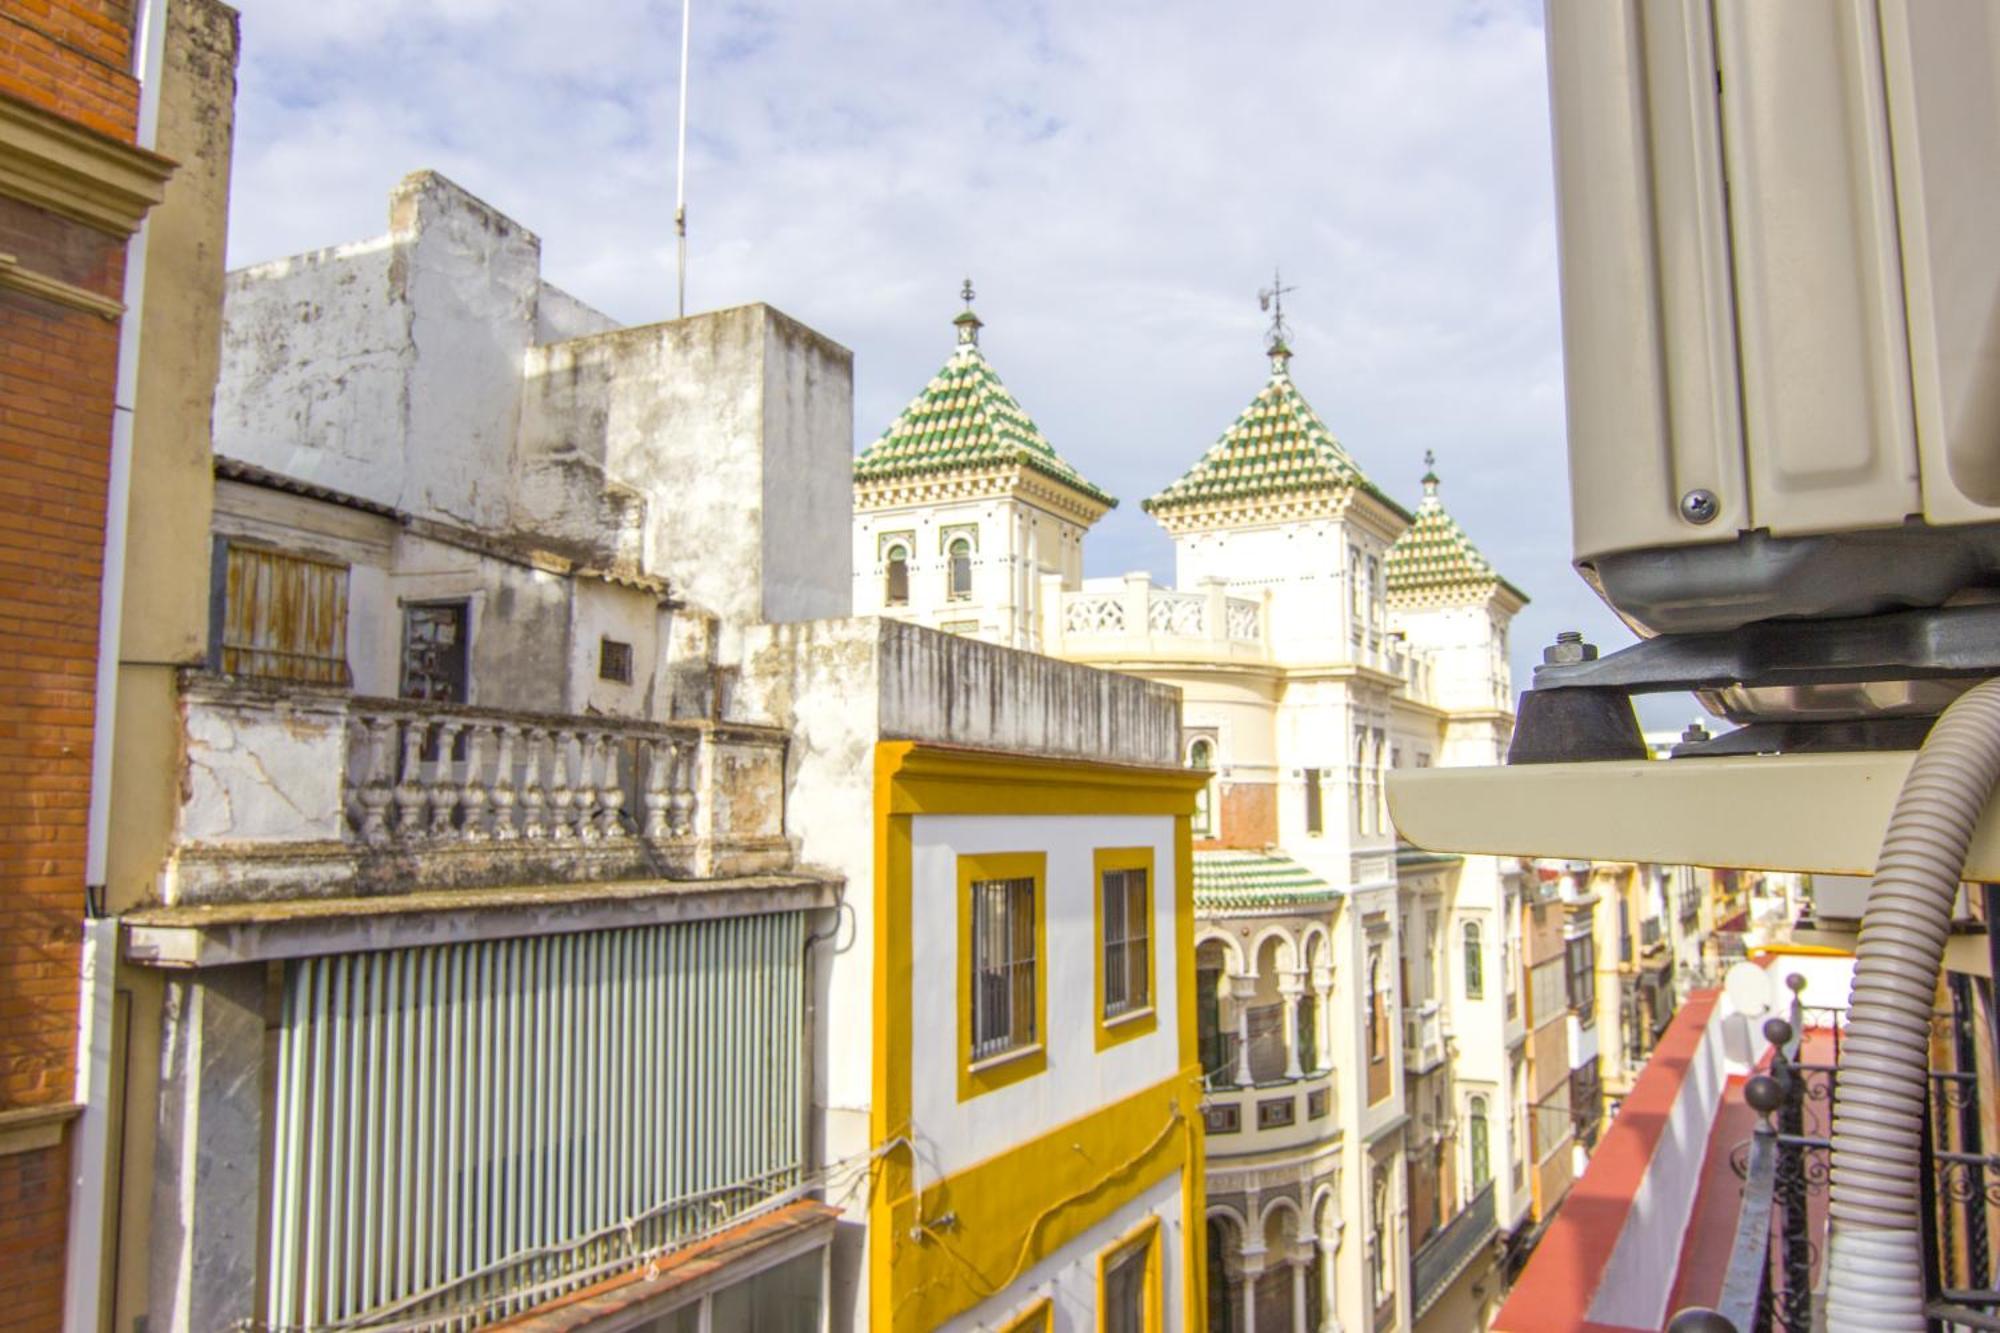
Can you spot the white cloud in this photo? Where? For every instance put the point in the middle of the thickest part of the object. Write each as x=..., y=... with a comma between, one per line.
x=1118, y=179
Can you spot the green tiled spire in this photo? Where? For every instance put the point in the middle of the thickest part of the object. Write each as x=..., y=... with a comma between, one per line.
x=1435, y=559
x=1277, y=447
x=1235, y=881
x=966, y=420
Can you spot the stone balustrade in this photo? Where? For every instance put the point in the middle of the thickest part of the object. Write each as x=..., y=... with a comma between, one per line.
x=419, y=775
x=1134, y=618
x=306, y=791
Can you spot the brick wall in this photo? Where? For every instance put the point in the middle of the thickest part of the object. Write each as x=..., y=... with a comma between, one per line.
x=72, y=57
x=58, y=369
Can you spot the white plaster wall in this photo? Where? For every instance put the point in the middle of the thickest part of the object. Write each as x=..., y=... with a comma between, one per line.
x=1468, y=643
x=603, y=610
x=1079, y=1079
x=388, y=369
x=723, y=440
x=263, y=770
x=1016, y=544
x=558, y=315
x=1069, y=1276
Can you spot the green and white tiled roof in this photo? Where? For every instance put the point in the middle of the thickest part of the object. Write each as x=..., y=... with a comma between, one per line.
x=1226, y=881
x=1434, y=557
x=966, y=420
x=1277, y=447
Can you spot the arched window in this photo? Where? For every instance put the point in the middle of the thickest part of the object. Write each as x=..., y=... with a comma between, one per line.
x=961, y=570
x=1201, y=755
x=898, y=591
x=1476, y=1139
x=1475, y=963
x=1378, y=1237
x=1222, y=1315
x=1378, y=1028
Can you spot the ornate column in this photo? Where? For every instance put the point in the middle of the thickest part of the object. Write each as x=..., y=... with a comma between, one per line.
x=1299, y=1267
x=1243, y=989
x=1322, y=984
x=1253, y=1268
x=1291, y=985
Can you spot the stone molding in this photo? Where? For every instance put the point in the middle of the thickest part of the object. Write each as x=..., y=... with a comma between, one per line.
x=88, y=177
x=32, y=1128
x=17, y=278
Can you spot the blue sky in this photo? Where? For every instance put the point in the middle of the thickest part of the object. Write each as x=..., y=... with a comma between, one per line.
x=1118, y=179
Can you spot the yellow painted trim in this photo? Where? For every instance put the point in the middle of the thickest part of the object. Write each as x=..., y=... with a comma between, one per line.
x=889, y=1110
x=55, y=164
x=973, y=1234
x=937, y=780
x=1194, y=1181
x=1144, y=1237
x=1037, y=1317
x=1137, y=1023
x=1001, y=1071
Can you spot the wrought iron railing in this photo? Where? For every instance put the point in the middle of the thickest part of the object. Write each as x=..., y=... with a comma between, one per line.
x=1444, y=1256
x=1776, y=1263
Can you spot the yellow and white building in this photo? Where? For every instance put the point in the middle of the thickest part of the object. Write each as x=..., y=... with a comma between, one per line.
x=1012, y=1093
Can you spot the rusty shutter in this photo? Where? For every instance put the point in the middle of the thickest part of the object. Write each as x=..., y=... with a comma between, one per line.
x=284, y=616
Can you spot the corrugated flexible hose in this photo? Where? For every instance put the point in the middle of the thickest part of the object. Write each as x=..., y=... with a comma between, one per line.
x=1876, y=1274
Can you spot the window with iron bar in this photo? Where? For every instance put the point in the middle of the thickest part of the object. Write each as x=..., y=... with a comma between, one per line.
x=1003, y=966
x=1127, y=942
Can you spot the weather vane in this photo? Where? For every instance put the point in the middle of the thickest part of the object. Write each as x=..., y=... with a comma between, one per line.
x=1430, y=459
x=965, y=293
x=1272, y=298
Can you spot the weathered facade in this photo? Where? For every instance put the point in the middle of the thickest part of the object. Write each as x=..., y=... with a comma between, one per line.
x=94, y=115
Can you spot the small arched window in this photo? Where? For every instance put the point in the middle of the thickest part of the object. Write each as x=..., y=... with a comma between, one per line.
x=898, y=591
x=1479, y=1145
x=1475, y=963
x=1201, y=756
x=961, y=570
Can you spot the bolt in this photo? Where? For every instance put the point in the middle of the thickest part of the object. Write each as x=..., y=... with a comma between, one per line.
x=1700, y=506
x=1569, y=649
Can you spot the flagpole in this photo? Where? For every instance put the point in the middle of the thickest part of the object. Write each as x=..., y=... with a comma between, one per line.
x=680, y=173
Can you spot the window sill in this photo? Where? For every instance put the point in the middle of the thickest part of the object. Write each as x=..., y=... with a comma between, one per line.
x=1128, y=1026
x=1129, y=1016
x=1005, y=1058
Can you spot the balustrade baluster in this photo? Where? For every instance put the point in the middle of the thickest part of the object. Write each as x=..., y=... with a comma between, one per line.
x=443, y=792
x=586, y=786
x=534, y=799
x=377, y=778
x=502, y=790
x=659, y=764
x=410, y=786
x=561, y=795
x=472, y=793
x=680, y=804
x=611, y=791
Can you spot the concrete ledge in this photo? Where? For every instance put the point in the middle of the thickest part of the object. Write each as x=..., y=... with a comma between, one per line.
x=32, y=1128
x=227, y=934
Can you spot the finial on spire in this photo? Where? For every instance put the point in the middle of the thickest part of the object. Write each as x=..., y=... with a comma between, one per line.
x=967, y=322
x=1430, y=475
x=1272, y=298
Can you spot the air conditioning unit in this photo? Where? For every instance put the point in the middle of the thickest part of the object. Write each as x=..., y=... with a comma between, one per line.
x=1780, y=239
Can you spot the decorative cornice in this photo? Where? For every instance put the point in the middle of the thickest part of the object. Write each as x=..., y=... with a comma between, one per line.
x=29, y=1128
x=877, y=494
x=88, y=177
x=19, y=279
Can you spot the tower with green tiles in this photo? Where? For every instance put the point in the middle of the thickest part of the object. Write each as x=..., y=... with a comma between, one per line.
x=964, y=513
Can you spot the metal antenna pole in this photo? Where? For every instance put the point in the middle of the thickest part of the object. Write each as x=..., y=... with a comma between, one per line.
x=680, y=174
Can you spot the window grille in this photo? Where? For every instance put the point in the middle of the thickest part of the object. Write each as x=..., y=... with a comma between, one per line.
x=281, y=616
x=961, y=570
x=1481, y=1149
x=898, y=591
x=1003, y=966
x=1315, y=814
x=435, y=643
x=1125, y=1291
x=1267, y=1042
x=1581, y=956
x=1126, y=942
x=1475, y=963
x=614, y=661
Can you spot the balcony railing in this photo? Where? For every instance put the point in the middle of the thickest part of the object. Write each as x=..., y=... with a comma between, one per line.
x=1423, y=1037
x=1448, y=1252
x=306, y=791
x=1776, y=1267
x=1137, y=617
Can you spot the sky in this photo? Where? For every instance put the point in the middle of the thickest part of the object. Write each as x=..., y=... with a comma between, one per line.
x=1118, y=179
